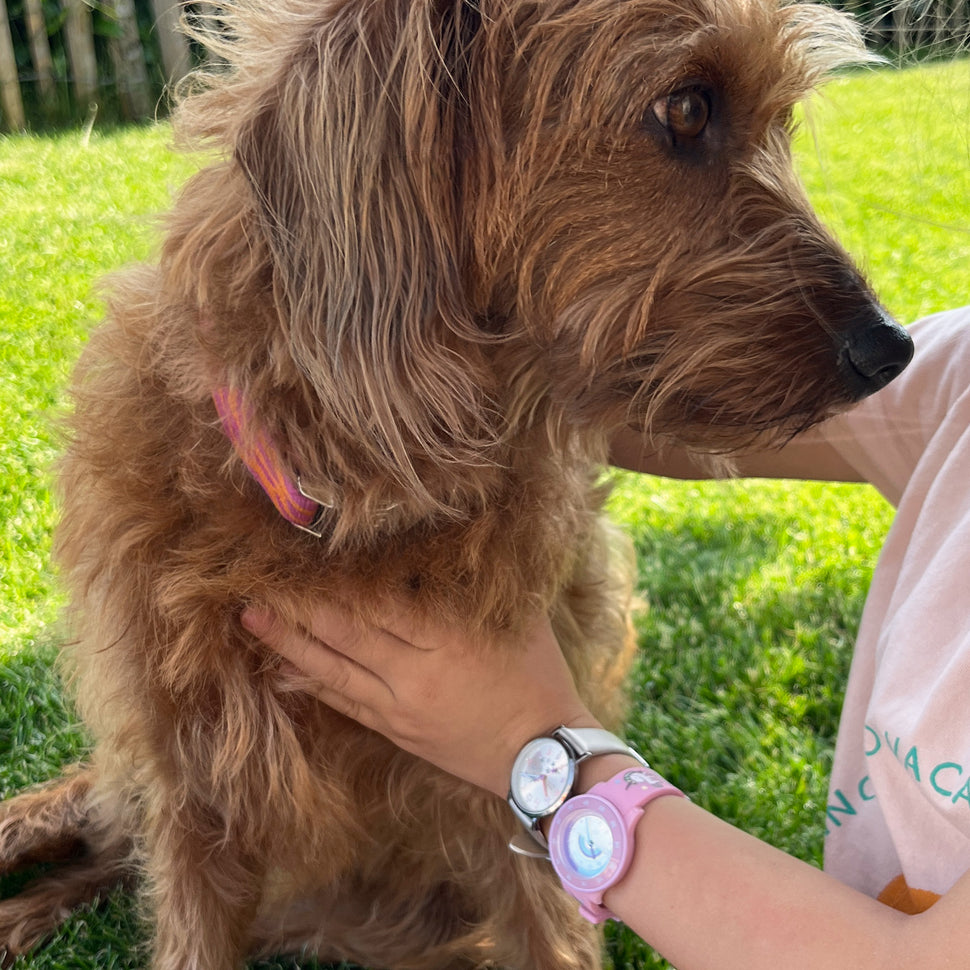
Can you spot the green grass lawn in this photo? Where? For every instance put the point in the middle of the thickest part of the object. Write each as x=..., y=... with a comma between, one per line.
x=755, y=588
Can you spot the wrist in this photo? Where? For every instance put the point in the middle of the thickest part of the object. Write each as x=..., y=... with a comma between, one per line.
x=602, y=768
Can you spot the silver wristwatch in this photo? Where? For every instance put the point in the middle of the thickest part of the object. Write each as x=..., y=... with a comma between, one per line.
x=544, y=773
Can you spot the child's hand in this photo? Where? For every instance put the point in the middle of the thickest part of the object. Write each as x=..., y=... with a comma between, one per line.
x=465, y=709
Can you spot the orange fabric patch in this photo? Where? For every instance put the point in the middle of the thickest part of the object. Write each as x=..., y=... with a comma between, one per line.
x=900, y=896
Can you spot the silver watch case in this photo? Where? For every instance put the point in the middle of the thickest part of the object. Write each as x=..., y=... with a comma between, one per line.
x=544, y=772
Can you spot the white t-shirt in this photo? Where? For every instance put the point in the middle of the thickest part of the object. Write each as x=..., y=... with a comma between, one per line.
x=899, y=801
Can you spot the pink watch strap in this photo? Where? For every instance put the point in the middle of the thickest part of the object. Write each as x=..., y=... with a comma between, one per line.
x=634, y=788
x=629, y=791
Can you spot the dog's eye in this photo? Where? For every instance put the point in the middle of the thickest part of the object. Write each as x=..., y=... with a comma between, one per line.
x=685, y=113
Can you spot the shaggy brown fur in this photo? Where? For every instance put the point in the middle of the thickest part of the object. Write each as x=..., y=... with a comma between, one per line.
x=448, y=249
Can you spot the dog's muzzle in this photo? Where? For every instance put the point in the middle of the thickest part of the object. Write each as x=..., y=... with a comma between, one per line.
x=873, y=354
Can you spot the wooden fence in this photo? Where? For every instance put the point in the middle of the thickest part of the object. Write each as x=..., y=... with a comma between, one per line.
x=909, y=30
x=64, y=60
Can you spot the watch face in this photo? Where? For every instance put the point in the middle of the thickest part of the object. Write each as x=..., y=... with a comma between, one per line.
x=588, y=844
x=542, y=776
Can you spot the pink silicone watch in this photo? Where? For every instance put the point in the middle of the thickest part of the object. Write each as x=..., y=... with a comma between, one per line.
x=591, y=838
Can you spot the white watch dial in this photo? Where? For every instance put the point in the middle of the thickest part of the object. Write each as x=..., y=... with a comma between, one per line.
x=589, y=845
x=542, y=776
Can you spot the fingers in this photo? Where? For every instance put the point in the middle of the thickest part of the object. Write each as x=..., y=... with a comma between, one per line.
x=327, y=674
x=399, y=622
x=342, y=703
x=326, y=625
x=339, y=680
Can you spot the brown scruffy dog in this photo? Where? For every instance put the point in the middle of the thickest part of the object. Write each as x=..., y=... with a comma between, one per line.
x=447, y=251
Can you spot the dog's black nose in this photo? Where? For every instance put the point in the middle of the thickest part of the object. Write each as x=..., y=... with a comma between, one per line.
x=872, y=355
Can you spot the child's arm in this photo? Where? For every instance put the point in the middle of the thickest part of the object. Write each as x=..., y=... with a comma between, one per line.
x=704, y=894
x=710, y=897
x=809, y=457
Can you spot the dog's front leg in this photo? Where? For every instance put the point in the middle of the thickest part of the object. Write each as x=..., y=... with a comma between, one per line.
x=204, y=890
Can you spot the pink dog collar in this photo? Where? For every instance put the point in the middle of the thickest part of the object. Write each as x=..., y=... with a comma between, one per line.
x=265, y=463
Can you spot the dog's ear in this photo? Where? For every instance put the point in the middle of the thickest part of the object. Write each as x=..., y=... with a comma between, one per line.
x=354, y=161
